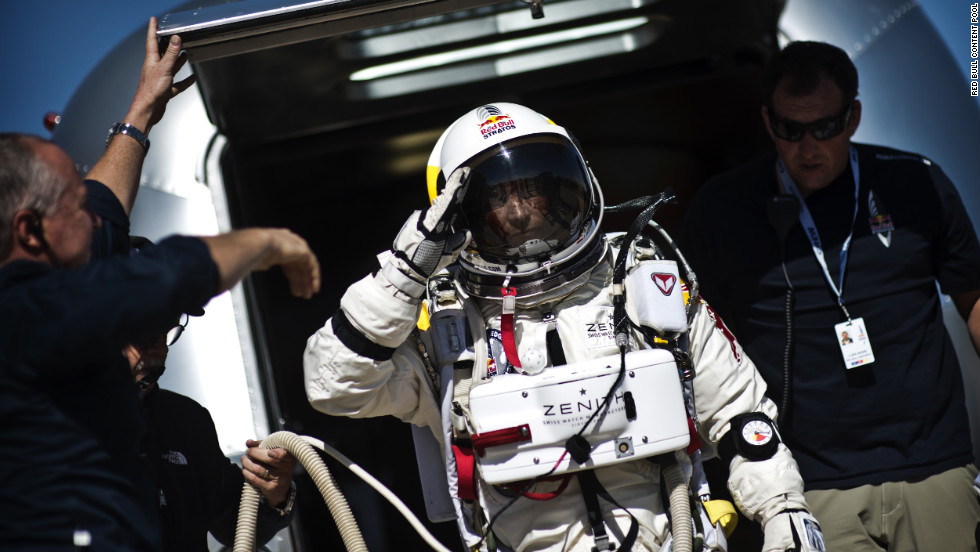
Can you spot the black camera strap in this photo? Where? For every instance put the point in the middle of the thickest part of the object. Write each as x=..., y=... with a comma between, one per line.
x=591, y=491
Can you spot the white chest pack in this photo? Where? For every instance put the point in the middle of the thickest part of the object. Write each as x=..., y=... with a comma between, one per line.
x=522, y=422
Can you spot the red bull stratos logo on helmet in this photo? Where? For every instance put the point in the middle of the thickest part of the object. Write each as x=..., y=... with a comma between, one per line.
x=494, y=121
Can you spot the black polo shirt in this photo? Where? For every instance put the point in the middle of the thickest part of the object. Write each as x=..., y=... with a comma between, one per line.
x=902, y=416
x=69, y=414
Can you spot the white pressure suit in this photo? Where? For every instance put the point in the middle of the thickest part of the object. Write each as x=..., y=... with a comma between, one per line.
x=366, y=361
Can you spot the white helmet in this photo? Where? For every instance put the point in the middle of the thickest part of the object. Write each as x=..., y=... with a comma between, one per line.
x=532, y=204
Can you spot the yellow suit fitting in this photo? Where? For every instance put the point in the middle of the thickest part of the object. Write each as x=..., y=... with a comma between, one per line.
x=722, y=511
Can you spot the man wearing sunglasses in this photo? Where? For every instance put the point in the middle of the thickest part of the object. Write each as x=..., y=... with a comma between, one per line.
x=824, y=236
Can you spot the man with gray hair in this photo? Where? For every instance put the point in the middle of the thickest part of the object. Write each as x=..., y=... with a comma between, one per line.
x=76, y=478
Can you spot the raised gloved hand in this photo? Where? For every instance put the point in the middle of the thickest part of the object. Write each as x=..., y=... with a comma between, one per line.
x=793, y=530
x=426, y=243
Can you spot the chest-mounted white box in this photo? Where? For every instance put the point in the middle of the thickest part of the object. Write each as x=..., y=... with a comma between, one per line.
x=522, y=422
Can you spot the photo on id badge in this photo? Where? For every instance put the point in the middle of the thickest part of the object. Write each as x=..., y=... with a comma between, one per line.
x=854, y=343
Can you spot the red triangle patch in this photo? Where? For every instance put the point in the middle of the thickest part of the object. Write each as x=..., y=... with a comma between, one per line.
x=665, y=281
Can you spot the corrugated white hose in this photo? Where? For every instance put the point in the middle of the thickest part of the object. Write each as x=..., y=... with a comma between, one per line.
x=680, y=509
x=303, y=451
x=301, y=446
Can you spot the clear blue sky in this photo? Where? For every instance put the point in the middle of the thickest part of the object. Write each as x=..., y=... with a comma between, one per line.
x=48, y=46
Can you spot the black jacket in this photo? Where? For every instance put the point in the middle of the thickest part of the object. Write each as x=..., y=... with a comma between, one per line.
x=199, y=488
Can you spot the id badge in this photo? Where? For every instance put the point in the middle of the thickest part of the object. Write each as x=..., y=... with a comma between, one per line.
x=854, y=343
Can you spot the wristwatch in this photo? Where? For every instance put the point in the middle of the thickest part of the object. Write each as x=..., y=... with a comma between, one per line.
x=290, y=501
x=752, y=435
x=128, y=130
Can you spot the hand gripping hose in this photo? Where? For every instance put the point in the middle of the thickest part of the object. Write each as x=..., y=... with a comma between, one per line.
x=302, y=448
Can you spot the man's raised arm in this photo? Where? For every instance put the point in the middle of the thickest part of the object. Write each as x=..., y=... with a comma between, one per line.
x=239, y=252
x=120, y=166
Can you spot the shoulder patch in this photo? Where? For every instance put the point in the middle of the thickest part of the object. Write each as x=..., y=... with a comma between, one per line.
x=879, y=221
x=732, y=342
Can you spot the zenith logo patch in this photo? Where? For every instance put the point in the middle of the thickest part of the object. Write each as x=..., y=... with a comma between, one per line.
x=665, y=281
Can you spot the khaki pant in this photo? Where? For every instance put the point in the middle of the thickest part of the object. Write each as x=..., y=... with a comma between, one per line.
x=940, y=512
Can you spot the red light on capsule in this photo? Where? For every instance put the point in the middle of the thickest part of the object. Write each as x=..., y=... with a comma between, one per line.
x=51, y=120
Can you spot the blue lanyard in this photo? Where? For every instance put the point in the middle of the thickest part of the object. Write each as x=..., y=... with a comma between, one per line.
x=806, y=219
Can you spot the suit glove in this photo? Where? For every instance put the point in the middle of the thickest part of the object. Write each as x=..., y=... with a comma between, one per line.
x=795, y=530
x=426, y=243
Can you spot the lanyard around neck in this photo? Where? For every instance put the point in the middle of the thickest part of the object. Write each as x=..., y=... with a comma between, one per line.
x=806, y=220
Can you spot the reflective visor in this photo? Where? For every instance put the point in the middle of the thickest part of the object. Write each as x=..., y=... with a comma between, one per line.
x=527, y=198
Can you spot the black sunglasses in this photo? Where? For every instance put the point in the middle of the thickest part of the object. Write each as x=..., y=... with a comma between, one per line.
x=823, y=129
x=174, y=334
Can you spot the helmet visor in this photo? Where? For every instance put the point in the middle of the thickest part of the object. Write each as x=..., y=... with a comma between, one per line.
x=527, y=198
